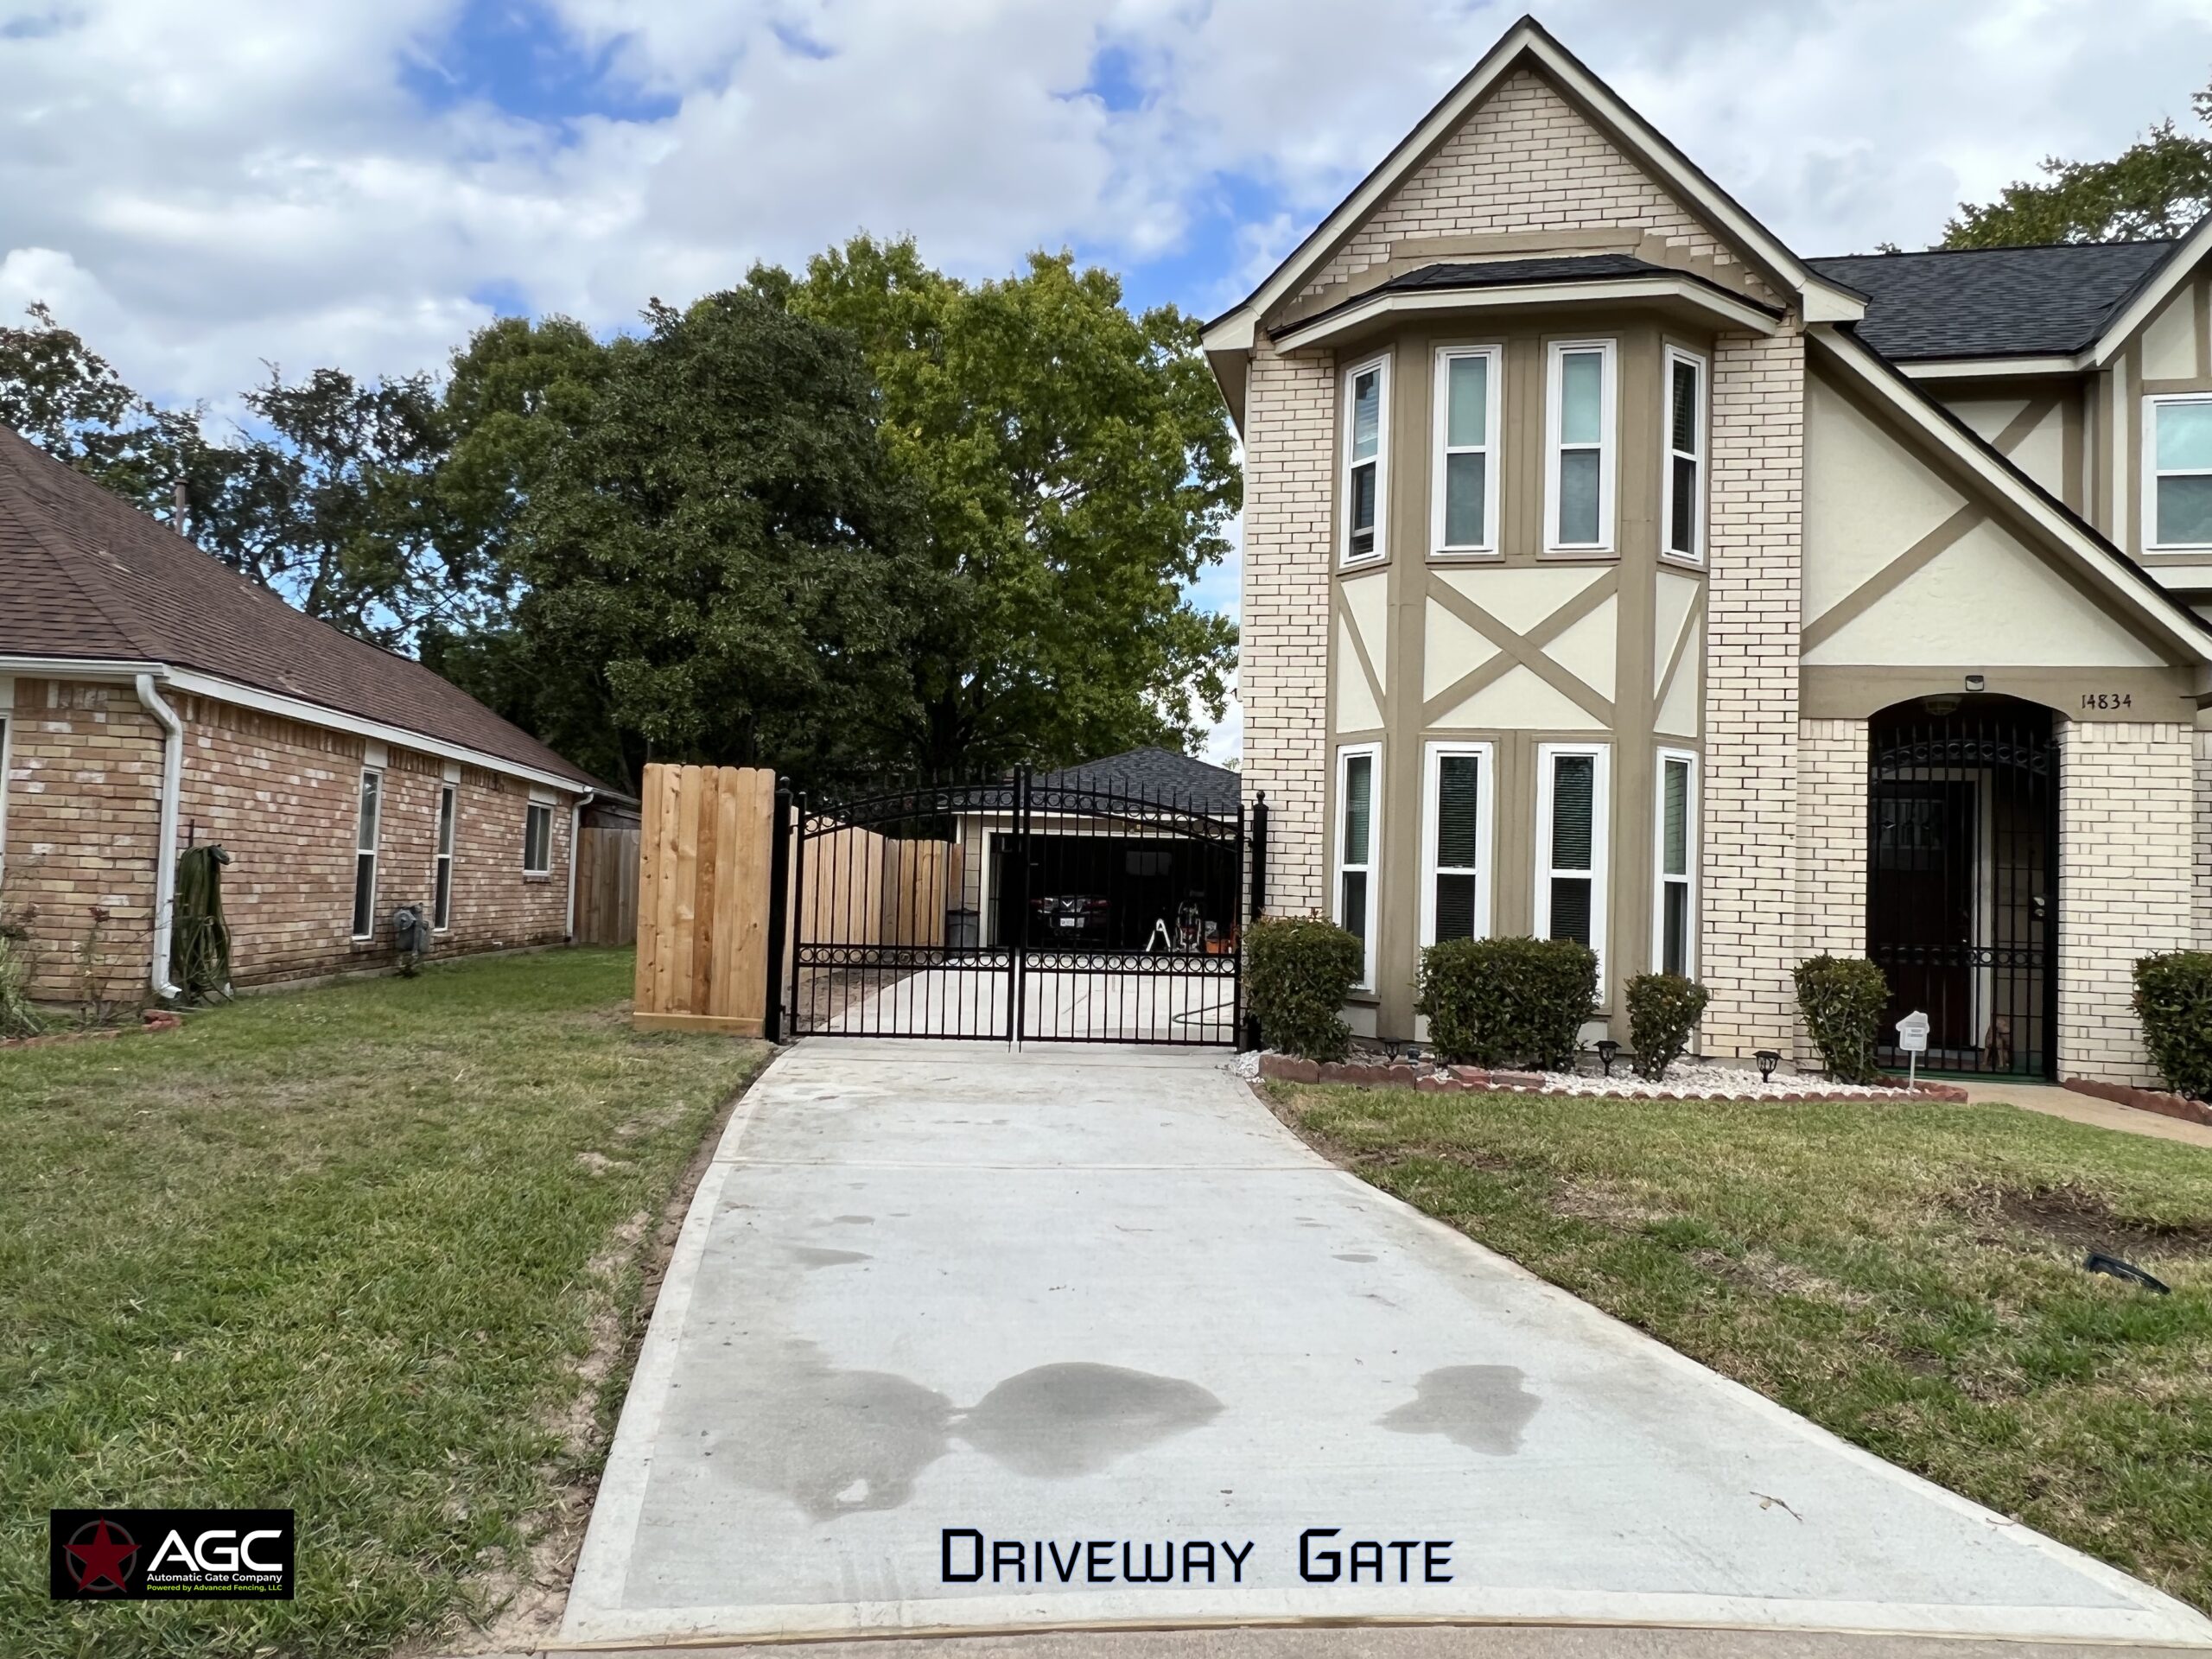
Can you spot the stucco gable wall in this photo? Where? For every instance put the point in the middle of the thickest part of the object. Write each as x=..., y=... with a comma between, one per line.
x=1525, y=160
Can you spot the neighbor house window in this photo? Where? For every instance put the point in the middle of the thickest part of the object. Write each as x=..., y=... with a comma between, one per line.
x=1367, y=439
x=364, y=855
x=1571, y=820
x=442, y=882
x=1355, y=841
x=1463, y=516
x=1579, y=464
x=1684, y=516
x=1456, y=842
x=1674, y=948
x=538, y=840
x=2178, y=481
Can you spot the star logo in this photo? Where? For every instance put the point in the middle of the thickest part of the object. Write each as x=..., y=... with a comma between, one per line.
x=100, y=1554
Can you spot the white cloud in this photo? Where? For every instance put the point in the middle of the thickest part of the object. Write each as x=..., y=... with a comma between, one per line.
x=201, y=189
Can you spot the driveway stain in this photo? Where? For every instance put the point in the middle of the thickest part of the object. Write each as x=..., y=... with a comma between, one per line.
x=1058, y=1421
x=1483, y=1408
x=811, y=1256
x=1354, y=1256
x=855, y=1221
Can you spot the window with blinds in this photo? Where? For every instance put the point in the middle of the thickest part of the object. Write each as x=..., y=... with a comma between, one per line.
x=1366, y=429
x=1571, y=820
x=1357, y=833
x=1674, y=949
x=1684, y=508
x=1456, y=836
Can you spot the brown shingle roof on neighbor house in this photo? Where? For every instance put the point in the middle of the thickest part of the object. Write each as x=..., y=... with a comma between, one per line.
x=84, y=574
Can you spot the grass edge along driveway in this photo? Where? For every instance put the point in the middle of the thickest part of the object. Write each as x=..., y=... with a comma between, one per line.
x=364, y=1252
x=1907, y=1275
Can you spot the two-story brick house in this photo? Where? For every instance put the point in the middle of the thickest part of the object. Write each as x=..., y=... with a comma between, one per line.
x=1612, y=572
x=151, y=698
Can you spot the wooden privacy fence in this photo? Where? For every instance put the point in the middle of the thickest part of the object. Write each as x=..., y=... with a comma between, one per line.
x=702, y=899
x=704, y=870
x=607, y=883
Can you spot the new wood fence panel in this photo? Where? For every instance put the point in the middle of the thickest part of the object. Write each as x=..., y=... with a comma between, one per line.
x=702, y=899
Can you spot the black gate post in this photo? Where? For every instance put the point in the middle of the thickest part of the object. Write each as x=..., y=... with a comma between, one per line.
x=780, y=867
x=1259, y=855
x=798, y=912
x=1018, y=949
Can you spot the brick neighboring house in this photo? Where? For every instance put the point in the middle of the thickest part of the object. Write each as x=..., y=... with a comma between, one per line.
x=1612, y=572
x=151, y=698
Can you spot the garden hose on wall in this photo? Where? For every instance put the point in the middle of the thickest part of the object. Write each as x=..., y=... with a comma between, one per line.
x=199, y=940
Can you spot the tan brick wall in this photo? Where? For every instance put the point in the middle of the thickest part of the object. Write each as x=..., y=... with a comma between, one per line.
x=1282, y=674
x=283, y=798
x=1524, y=161
x=84, y=808
x=1753, y=935
x=1831, y=842
x=83, y=813
x=2125, y=856
x=2203, y=905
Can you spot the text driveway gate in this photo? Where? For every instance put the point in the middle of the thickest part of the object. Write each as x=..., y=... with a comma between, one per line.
x=1018, y=910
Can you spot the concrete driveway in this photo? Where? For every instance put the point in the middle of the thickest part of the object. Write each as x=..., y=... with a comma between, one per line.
x=1096, y=1312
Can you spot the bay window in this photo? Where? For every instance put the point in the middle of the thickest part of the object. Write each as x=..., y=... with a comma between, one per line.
x=1463, y=513
x=1579, y=450
x=1457, y=813
x=1357, y=834
x=1571, y=831
x=1673, y=945
x=1367, y=438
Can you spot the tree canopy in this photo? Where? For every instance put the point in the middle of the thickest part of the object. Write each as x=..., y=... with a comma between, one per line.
x=2157, y=186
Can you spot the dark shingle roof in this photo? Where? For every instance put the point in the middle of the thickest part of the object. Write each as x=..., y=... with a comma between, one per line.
x=83, y=573
x=1153, y=774
x=1994, y=301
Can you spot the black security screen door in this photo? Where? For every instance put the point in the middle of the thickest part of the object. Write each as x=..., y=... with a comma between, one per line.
x=1962, y=881
x=1018, y=910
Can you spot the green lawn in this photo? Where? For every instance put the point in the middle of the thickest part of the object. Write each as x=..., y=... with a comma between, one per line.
x=350, y=1251
x=1906, y=1275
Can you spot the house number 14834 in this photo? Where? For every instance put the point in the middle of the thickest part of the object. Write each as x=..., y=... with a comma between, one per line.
x=2107, y=699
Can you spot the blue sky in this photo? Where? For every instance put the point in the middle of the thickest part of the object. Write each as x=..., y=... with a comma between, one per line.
x=204, y=190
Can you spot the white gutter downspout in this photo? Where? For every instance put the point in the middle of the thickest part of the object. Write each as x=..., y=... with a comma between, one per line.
x=576, y=839
x=165, y=839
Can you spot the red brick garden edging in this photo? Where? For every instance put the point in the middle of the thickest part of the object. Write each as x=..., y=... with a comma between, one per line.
x=1474, y=1080
x=152, y=1020
x=2145, y=1100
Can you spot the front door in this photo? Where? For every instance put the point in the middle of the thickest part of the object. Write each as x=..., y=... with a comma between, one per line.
x=1922, y=908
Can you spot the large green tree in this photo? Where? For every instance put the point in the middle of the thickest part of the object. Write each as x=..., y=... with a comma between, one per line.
x=2157, y=186
x=1074, y=472
x=713, y=557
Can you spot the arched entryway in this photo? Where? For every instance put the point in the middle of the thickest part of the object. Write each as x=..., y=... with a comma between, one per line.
x=1963, y=879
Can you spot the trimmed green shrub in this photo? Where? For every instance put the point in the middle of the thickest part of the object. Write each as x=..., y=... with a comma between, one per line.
x=2173, y=998
x=1508, y=1001
x=1842, y=998
x=1298, y=970
x=1662, y=1010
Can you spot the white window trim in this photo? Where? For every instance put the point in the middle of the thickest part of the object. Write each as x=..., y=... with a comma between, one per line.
x=1492, y=449
x=1704, y=422
x=373, y=852
x=445, y=834
x=1608, y=444
x=1659, y=876
x=2153, y=402
x=1345, y=755
x=1601, y=835
x=1485, y=826
x=1345, y=555
x=546, y=807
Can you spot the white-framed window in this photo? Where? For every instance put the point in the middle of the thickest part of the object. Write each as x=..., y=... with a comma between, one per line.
x=1459, y=808
x=537, y=839
x=364, y=855
x=1367, y=454
x=1359, y=789
x=1682, y=516
x=1571, y=821
x=1580, y=394
x=1674, y=852
x=441, y=877
x=1463, y=514
x=2178, y=471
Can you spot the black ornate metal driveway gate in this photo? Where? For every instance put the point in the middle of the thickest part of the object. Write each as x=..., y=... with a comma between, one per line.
x=1020, y=909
